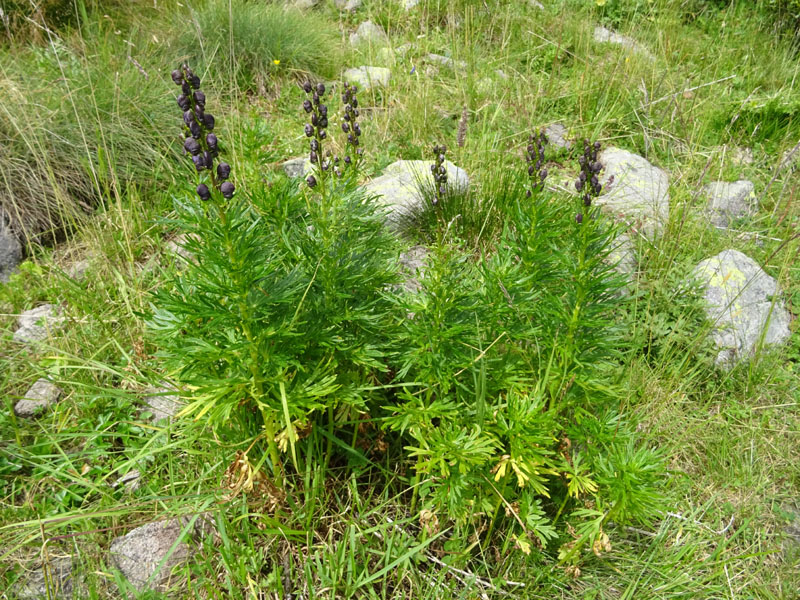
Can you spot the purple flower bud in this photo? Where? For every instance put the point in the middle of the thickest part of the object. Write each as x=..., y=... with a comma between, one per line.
x=309, y=129
x=227, y=189
x=323, y=122
x=313, y=157
x=211, y=140
x=184, y=103
x=360, y=152
x=357, y=128
x=188, y=117
x=320, y=88
x=322, y=134
x=199, y=162
x=195, y=130
x=307, y=87
x=311, y=181
x=543, y=174
x=433, y=169
x=597, y=189
x=208, y=121
x=223, y=170
x=582, y=176
x=593, y=180
x=579, y=218
x=203, y=191
x=314, y=145
x=207, y=160
x=323, y=110
x=195, y=81
x=177, y=77
x=347, y=160
x=587, y=200
x=345, y=127
x=579, y=185
x=355, y=113
x=186, y=89
x=528, y=194
x=191, y=146
x=597, y=145
x=199, y=97
x=314, y=119
x=354, y=102
x=307, y=106
x=531, y=170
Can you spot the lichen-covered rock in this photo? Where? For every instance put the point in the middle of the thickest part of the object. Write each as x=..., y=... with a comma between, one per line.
x=143, y=554
x=37, y=324
x=638, y=194
x=369, y=33
x=606, y=36
x=743, y=304
x=557, y=136
x=10, y=252
x=368, y=77
x=48, y=581
x=78, y=269
x=163, y=404
x=742, y=156
x=729, y=201
x=399, y=188
x=297, y=167
x=38, y=398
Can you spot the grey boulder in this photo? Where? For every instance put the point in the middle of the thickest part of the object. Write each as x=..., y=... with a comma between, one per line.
x=369, y=33
x=556, y=135
x=37, y=324
x=10, y=252
x=39, y=397
x=412, y=267
x=743, y=303
x=145, y=555
x=48, y=581
x=368, y=77
x=606, y=36
x=400, y=188
x=729, y=201
x=163, y=404
x=446, y=61
x=638, y=194
x=297, y=167
x=347, y=4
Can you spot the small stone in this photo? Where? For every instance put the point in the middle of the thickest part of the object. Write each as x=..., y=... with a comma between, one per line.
x=743, y=304
x=639, y=194
x=398, y=189
x=557, y=136
x=412, y=267
x=409, y=4
x=369, y=33
x=131, y=480
x=10, y=252
x=742, y=156
x=350, y=5
x=535, y=4
x=297, y=167
x=790, y=159
x=139, y=553
x=36, y=324
x=446, y=61
x=77, y=270
x=52, y=581
x=404, y=49
x=368, y=77
x=163, y=403
x=385, y=56
x=603, y=35
x=304, y=4
x=39, y=397
x=729, y=201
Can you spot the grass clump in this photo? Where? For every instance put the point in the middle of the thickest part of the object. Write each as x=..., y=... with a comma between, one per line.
x=78, y=125
x=251, y=42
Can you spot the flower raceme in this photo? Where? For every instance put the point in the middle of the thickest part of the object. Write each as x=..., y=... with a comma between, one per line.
x=200, y=143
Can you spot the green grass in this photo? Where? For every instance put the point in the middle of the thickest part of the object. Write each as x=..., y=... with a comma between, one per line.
x=80, y=122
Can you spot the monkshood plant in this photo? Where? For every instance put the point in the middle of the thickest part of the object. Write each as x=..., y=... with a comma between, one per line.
x=280, y=315
x=512, y=416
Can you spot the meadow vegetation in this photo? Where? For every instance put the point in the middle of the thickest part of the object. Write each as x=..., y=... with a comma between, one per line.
x=521, y=419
